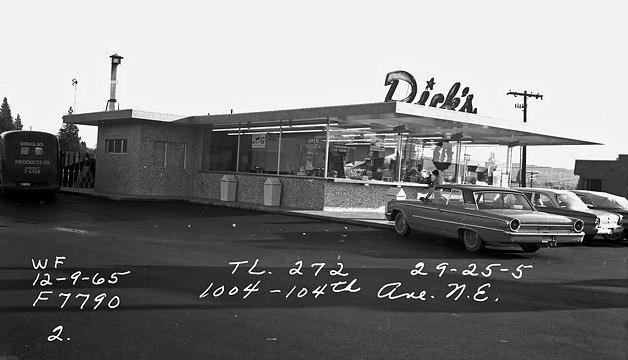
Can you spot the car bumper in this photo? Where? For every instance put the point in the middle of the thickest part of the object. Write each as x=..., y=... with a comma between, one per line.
x=608, y=231
x=544, y=239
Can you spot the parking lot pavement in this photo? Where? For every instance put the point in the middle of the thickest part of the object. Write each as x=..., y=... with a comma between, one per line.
x=183, y=280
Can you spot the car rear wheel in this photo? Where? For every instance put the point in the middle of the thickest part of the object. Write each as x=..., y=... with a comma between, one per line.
x=472, y=241
x=401, y=224
x=530, y=248
x=614, y=237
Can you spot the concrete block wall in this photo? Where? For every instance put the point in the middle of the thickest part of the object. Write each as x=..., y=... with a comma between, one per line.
x=298, y=193
x=133, y=173
x=118, y=172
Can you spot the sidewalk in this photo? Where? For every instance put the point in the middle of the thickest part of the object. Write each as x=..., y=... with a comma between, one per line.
x=364, y=218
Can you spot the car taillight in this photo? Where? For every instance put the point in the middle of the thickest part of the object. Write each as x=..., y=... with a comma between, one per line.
x=578, y=225
x=514, y=225
x=620, y=221
x=597, y=221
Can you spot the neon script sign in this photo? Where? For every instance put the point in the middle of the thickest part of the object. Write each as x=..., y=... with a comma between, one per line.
x=450, y=102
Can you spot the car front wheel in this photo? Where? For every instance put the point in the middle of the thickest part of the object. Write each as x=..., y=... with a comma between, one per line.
x=401, y=224
x=472, y=241
x=614, y=237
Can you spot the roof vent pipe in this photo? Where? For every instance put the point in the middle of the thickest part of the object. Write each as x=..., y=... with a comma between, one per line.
x=115, y=61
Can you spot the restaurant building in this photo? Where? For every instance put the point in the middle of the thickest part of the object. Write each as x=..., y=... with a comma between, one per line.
x=323, y=158
x=604, y=175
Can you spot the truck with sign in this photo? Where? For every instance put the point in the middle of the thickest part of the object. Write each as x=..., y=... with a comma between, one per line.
x=29, y=162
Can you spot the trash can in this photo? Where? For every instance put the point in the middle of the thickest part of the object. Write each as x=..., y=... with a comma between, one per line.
x=394, y=193
x=228, y=185
x=272, y=192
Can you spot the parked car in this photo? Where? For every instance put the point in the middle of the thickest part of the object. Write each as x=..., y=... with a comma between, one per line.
x=563, y=202
x=481, y=215
x=608, y=202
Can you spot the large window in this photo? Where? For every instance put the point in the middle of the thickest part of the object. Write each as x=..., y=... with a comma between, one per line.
x=115, y=146
x=169, y=154
x=267, y=153
x=301, y=150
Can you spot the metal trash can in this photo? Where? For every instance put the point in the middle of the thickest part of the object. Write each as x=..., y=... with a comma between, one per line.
x=228, y=185
x=394, y=193
x=272, y=192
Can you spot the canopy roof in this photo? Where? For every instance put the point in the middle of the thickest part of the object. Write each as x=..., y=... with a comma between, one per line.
x=411, y=119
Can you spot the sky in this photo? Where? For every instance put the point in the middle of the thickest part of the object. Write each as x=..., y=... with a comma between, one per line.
x=195, y=58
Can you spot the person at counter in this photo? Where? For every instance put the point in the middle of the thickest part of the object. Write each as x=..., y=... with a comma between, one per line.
x=437, y=178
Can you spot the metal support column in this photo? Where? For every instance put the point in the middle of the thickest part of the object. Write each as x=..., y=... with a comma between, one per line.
x=509, y=163
x=238, y=150
x=279, y=147
x=399, y=155
x=327, y=148
x=457, y=171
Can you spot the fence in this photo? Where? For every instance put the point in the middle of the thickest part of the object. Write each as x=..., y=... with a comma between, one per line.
x=77, y=170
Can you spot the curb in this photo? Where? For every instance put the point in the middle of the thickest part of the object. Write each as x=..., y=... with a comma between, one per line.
x=237, y=205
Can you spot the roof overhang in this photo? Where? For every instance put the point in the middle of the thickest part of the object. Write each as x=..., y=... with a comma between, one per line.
x=412, y=119
x=118, y=116
x=418, y=120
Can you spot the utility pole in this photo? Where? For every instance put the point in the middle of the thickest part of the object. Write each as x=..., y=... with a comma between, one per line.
x=526, y=95
x=74, y=83
x=533, y=175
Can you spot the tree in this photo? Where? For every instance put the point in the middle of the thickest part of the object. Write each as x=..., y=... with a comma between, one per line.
x=69, y=139
x=6, y=120
x=491, y=163
x=17, y=124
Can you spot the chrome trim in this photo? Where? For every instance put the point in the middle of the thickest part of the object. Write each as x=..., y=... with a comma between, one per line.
x=482, y=216
x=498, y=229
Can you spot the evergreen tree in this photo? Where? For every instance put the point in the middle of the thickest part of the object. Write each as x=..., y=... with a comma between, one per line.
x=6, y=120
x=17, y=124
x=491, y=163
x=69, y=139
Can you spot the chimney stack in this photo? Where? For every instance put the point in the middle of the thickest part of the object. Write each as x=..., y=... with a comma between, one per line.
x=115, y=61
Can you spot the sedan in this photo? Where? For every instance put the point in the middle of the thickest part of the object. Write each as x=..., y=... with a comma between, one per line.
x=483, y=215
x=563, y=202
x=608, y=202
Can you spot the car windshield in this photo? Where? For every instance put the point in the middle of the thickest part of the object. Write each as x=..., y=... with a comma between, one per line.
x=501, y=200
x=570, y=201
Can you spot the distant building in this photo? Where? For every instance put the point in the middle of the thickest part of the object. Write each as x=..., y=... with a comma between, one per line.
x=604, y=175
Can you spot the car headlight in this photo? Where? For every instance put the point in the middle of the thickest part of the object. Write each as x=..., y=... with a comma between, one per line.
x=620, y=221
x=514, y=225
x=578, y=225
x=597, y=221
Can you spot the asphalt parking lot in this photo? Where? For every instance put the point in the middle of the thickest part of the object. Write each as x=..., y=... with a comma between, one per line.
x=176, y=280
